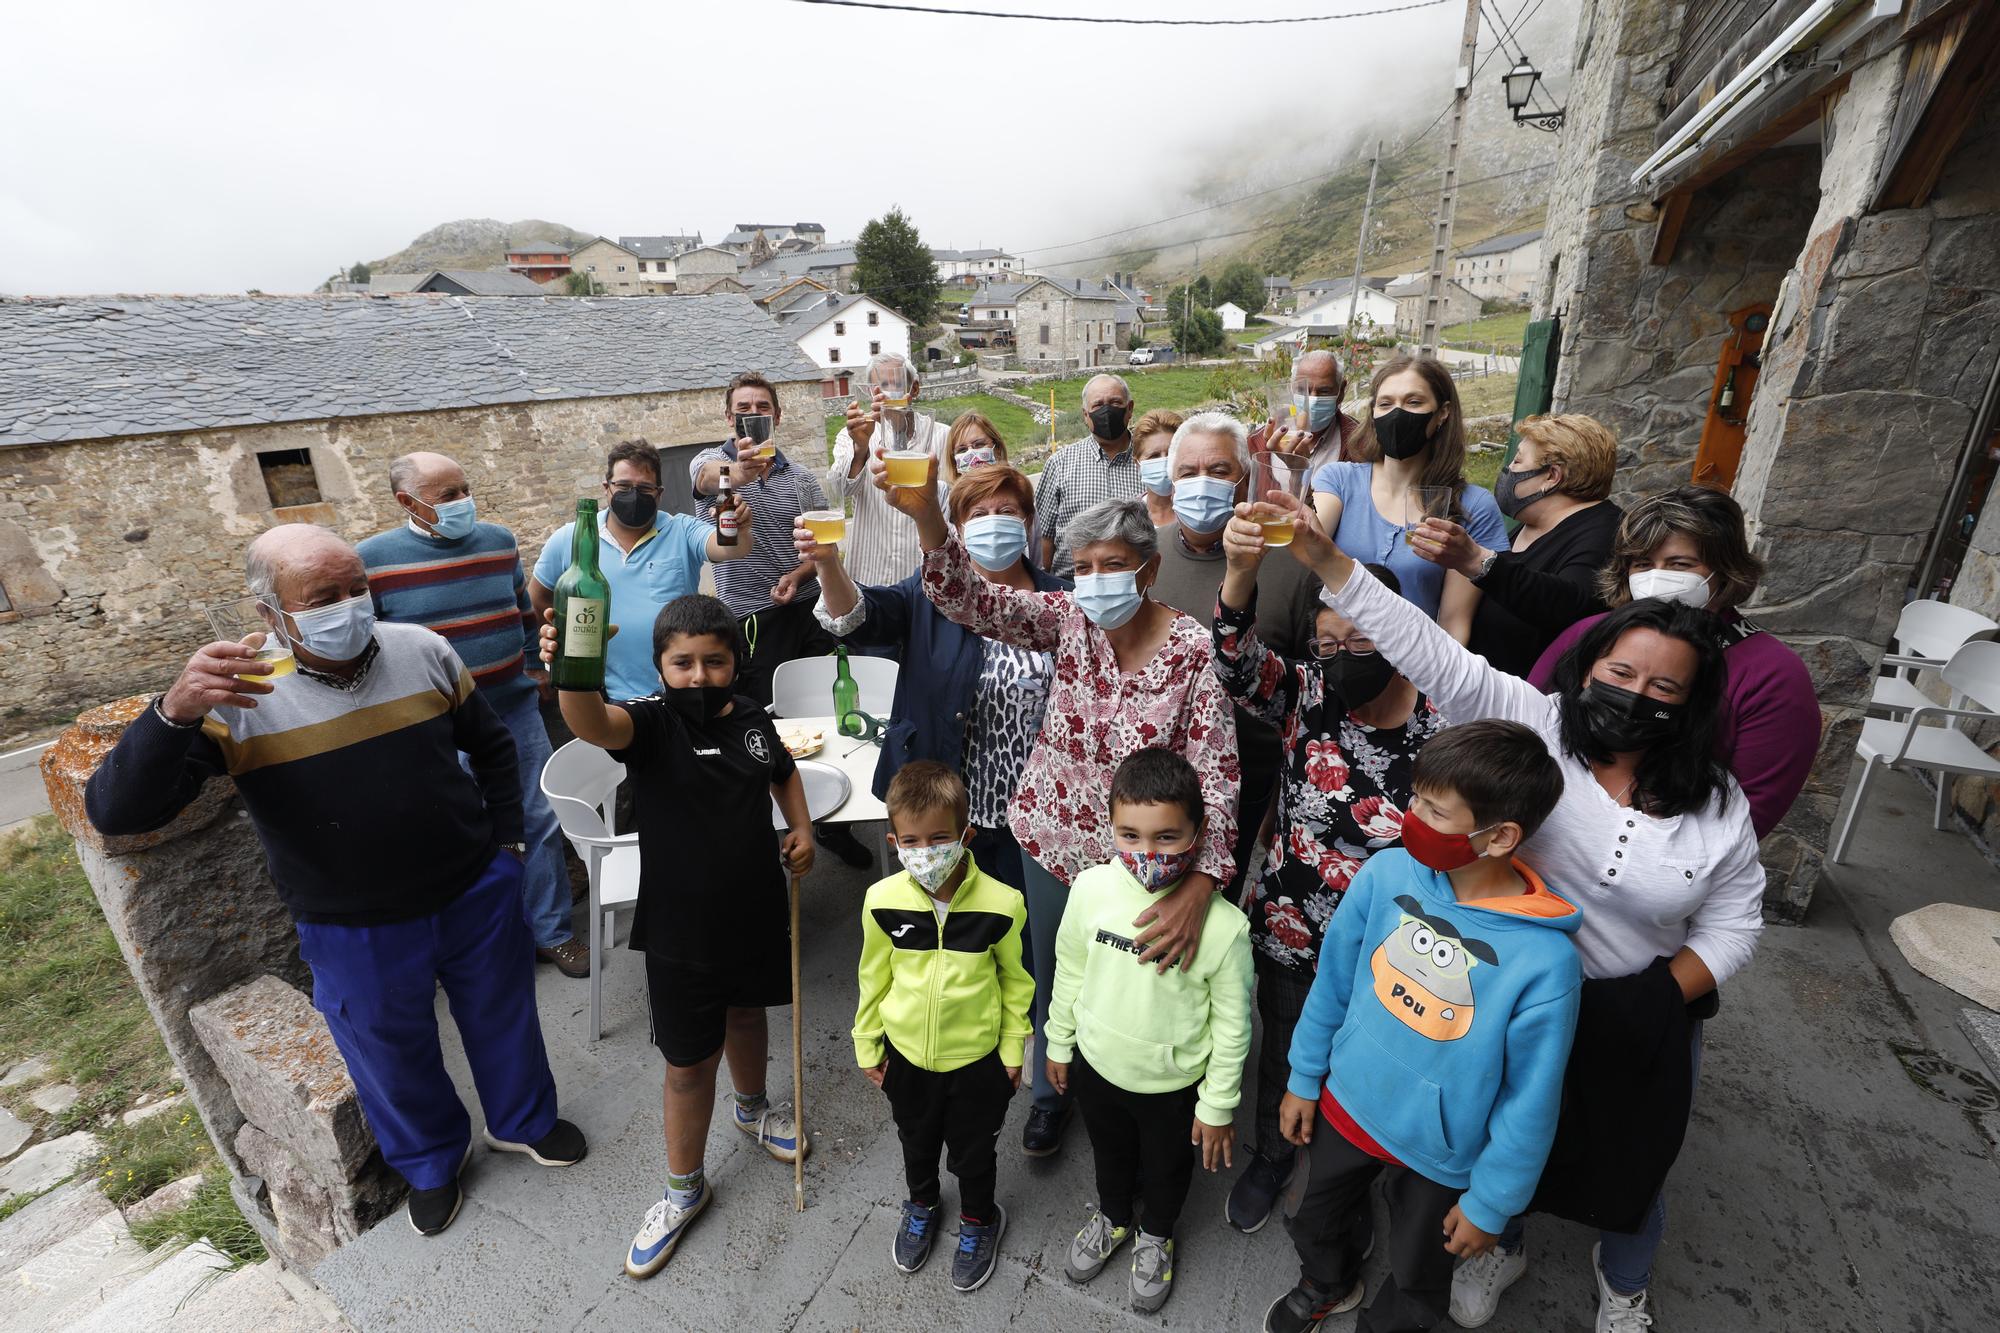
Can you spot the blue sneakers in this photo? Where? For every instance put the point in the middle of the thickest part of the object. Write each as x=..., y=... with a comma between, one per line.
x=914, y=1236
x=661, y=1232
x=978, y=1251
x=773, y=1127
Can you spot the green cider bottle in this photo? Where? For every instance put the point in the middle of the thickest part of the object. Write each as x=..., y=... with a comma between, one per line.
x=583, y=610
x=846, y=698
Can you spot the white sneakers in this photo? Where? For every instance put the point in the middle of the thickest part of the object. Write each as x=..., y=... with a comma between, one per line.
x=1615, y=1313
x=1476, y=1286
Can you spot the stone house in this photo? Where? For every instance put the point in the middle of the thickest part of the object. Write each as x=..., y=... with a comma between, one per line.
x=656, y=256
x=1773, y=244
x=1066, y=322
x=1501, y=268
x=704, y=269
x=616, y=270
x=145, y=441
x=1410, y=291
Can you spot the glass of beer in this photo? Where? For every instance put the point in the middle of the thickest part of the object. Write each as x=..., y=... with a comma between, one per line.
x=894, y=382
x=1285, y=421
x=1276, y=473
x=907, y=467
x=756, y=428
x=828, y=526
x=257, y=618
x=1425, y=502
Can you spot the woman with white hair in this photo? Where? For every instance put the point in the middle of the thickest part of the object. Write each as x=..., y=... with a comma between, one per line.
x=881, y=545
x=1129, y=673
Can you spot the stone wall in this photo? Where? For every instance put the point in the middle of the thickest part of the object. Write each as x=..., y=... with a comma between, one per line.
x=109, y=547
x=1883, y=338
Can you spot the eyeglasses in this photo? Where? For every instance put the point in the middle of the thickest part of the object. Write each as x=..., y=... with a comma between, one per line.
x=1355, y=644
x=628, y=488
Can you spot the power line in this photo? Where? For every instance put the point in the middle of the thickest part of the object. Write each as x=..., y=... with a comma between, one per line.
x=1130, y=22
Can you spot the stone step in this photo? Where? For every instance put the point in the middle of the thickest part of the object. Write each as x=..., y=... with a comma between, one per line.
x=53, y=1218
x=55, y=1287
x=259, y=1299
x=154, y=1298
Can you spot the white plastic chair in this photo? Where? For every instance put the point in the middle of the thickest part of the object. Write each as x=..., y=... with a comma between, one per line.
x=581, y=782
x=1927, y=634
x=1973, y=674
x=803, y=687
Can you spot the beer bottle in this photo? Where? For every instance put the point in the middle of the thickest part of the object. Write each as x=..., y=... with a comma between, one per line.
x=846, y=698
x=725, y=512
x=583, y=610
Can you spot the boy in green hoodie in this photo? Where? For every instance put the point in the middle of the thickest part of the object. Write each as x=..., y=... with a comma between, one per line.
x=943, y=1017
x=1155, y=1054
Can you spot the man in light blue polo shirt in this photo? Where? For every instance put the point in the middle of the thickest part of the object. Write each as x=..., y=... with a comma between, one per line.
x=649, y=559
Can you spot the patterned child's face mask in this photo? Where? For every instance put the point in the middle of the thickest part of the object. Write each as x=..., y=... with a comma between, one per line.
x=1157, y=870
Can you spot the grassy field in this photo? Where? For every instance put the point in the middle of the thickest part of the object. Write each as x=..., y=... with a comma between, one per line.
x=1487, y=395
x=1171, y=386
x=66, y=995
x=1505, y=331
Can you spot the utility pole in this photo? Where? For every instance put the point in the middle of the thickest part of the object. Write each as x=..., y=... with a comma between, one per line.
x=1361, y=245
x=1468, y=50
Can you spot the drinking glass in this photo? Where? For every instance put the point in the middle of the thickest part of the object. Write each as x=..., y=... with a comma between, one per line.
x=236, y=621
x=894, y=382
x=1424, y=502
x=1277, y=472
x=755, y=427
x=828, y=526
x=907, y=467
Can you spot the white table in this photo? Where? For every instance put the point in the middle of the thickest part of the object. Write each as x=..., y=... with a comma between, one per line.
x=856, y=758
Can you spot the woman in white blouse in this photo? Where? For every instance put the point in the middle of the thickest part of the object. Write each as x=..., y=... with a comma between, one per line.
x=1652, y=836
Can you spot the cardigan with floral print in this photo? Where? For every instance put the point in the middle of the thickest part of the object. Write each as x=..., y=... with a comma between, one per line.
x=1097, y=715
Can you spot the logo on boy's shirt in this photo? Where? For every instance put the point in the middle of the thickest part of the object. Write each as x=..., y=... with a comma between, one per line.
x=1423, y=973
x=707, y=754
x=1118, y=942
x=753, y=741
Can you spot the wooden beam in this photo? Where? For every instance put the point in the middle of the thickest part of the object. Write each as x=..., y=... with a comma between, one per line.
x=1952, y=70
x=1673, y=216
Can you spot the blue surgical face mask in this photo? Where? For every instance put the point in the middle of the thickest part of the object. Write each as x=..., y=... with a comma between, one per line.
x=454, y=518
x=1153, y=475
x=1109, y=600
x=1319, y=409
x=1203, y=504
x=336, y=633
x=995, y=541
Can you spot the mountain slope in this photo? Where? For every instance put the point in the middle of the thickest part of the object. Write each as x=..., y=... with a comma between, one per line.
x=473, y=243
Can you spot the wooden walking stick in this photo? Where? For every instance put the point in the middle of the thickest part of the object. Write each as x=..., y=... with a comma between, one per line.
x=798, y=1065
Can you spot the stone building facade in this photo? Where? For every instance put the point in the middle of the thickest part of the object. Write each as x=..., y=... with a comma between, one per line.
x=1056, y=326
x=111, y=540
x=1858, y=194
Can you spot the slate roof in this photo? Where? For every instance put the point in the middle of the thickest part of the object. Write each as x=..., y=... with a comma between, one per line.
x=984, y=254
x=1494, y=245
x=998, y=293
x=658, y=247
x=481, y=282
x=100, y=367
x=792, y=266
x=540, y=248
x=1084, y=289
x=395, y=282
x=807, y=316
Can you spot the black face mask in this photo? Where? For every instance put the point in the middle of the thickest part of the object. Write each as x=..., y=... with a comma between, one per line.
x=1357, y=681
x=1107, y=422
x=1403, y=433
x=1506, y=488
x=633, y=509
x=1622, y=722
x=697, y=704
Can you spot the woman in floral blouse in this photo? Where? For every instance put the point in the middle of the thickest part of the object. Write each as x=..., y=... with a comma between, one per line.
x=1129, y=673
x=1351, y=728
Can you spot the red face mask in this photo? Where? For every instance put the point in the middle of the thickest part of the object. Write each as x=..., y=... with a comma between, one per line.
x=1440, y=851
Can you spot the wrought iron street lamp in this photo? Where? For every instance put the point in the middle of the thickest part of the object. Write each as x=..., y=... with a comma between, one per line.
x=1520, y=83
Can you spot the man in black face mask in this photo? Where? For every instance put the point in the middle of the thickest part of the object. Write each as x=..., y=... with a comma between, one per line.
x=1087, y=472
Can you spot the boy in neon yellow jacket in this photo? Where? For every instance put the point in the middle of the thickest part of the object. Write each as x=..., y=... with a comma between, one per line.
x=943, y=1017
x=1155, y=1054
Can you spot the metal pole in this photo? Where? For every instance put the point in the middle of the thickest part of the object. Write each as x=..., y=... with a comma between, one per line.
x=1468, y=50
x=1361, y=242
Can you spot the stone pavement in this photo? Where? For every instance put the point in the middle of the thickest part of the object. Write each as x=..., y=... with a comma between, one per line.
x=1822, y=1186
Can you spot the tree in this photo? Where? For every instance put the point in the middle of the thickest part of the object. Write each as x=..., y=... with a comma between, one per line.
x=1242, y=284
x=581, y=284
x=1199, y=332
x=358, y=275
x=892, y=264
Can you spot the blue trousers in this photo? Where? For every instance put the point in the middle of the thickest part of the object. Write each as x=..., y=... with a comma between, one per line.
x=545, y=896
x=1047, y=896
x=377, y=987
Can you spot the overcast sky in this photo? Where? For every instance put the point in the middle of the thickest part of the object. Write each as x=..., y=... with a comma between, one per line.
x=201, y=146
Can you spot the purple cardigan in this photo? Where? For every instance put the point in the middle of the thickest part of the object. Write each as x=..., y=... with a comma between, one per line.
x=1770, y=717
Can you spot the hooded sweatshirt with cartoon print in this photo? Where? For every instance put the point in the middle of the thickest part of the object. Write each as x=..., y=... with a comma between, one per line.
x=1443, y=1028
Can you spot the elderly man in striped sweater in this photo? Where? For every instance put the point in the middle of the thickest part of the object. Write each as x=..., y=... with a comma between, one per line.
x=445, y=570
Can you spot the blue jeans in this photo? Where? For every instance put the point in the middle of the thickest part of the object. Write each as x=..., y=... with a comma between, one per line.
x=377, y=987
x=1047, y=896
x=545, y=896
x=1627, y=1256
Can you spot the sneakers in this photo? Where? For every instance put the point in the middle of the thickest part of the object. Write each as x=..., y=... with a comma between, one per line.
x=978, y=1251
x=1615, y=1313
x=1093, y=1247
x=1476, y=1286
x=563, y=1145
x=571, y=957
x=432, y=1210
x=661, y=1232
x=1042, y=1136
x=774, y=1128
x=1152, y=1272
x=912, y=1244
x=1256, y=1192
x=1307, y=1305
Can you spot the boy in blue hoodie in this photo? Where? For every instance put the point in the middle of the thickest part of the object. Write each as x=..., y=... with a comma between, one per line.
x=1434, y=1039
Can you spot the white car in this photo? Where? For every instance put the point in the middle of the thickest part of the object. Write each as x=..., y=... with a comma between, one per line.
x=1141, y=357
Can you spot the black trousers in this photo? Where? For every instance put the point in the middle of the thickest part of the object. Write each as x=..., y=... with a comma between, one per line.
x=1281, y=998
x=1333, y=1225
x=1137, y=1136
x=780, y=634
x=960, y=1111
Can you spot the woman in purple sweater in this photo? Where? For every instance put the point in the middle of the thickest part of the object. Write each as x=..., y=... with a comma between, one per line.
x=1688, y=545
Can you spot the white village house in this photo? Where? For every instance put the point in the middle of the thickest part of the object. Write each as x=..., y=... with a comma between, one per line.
x=838, y=333
x=1374, y=309
x=1501, y=268
x=1232, y=316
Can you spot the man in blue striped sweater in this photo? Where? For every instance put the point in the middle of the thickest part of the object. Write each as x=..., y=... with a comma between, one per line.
x=446, y=571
